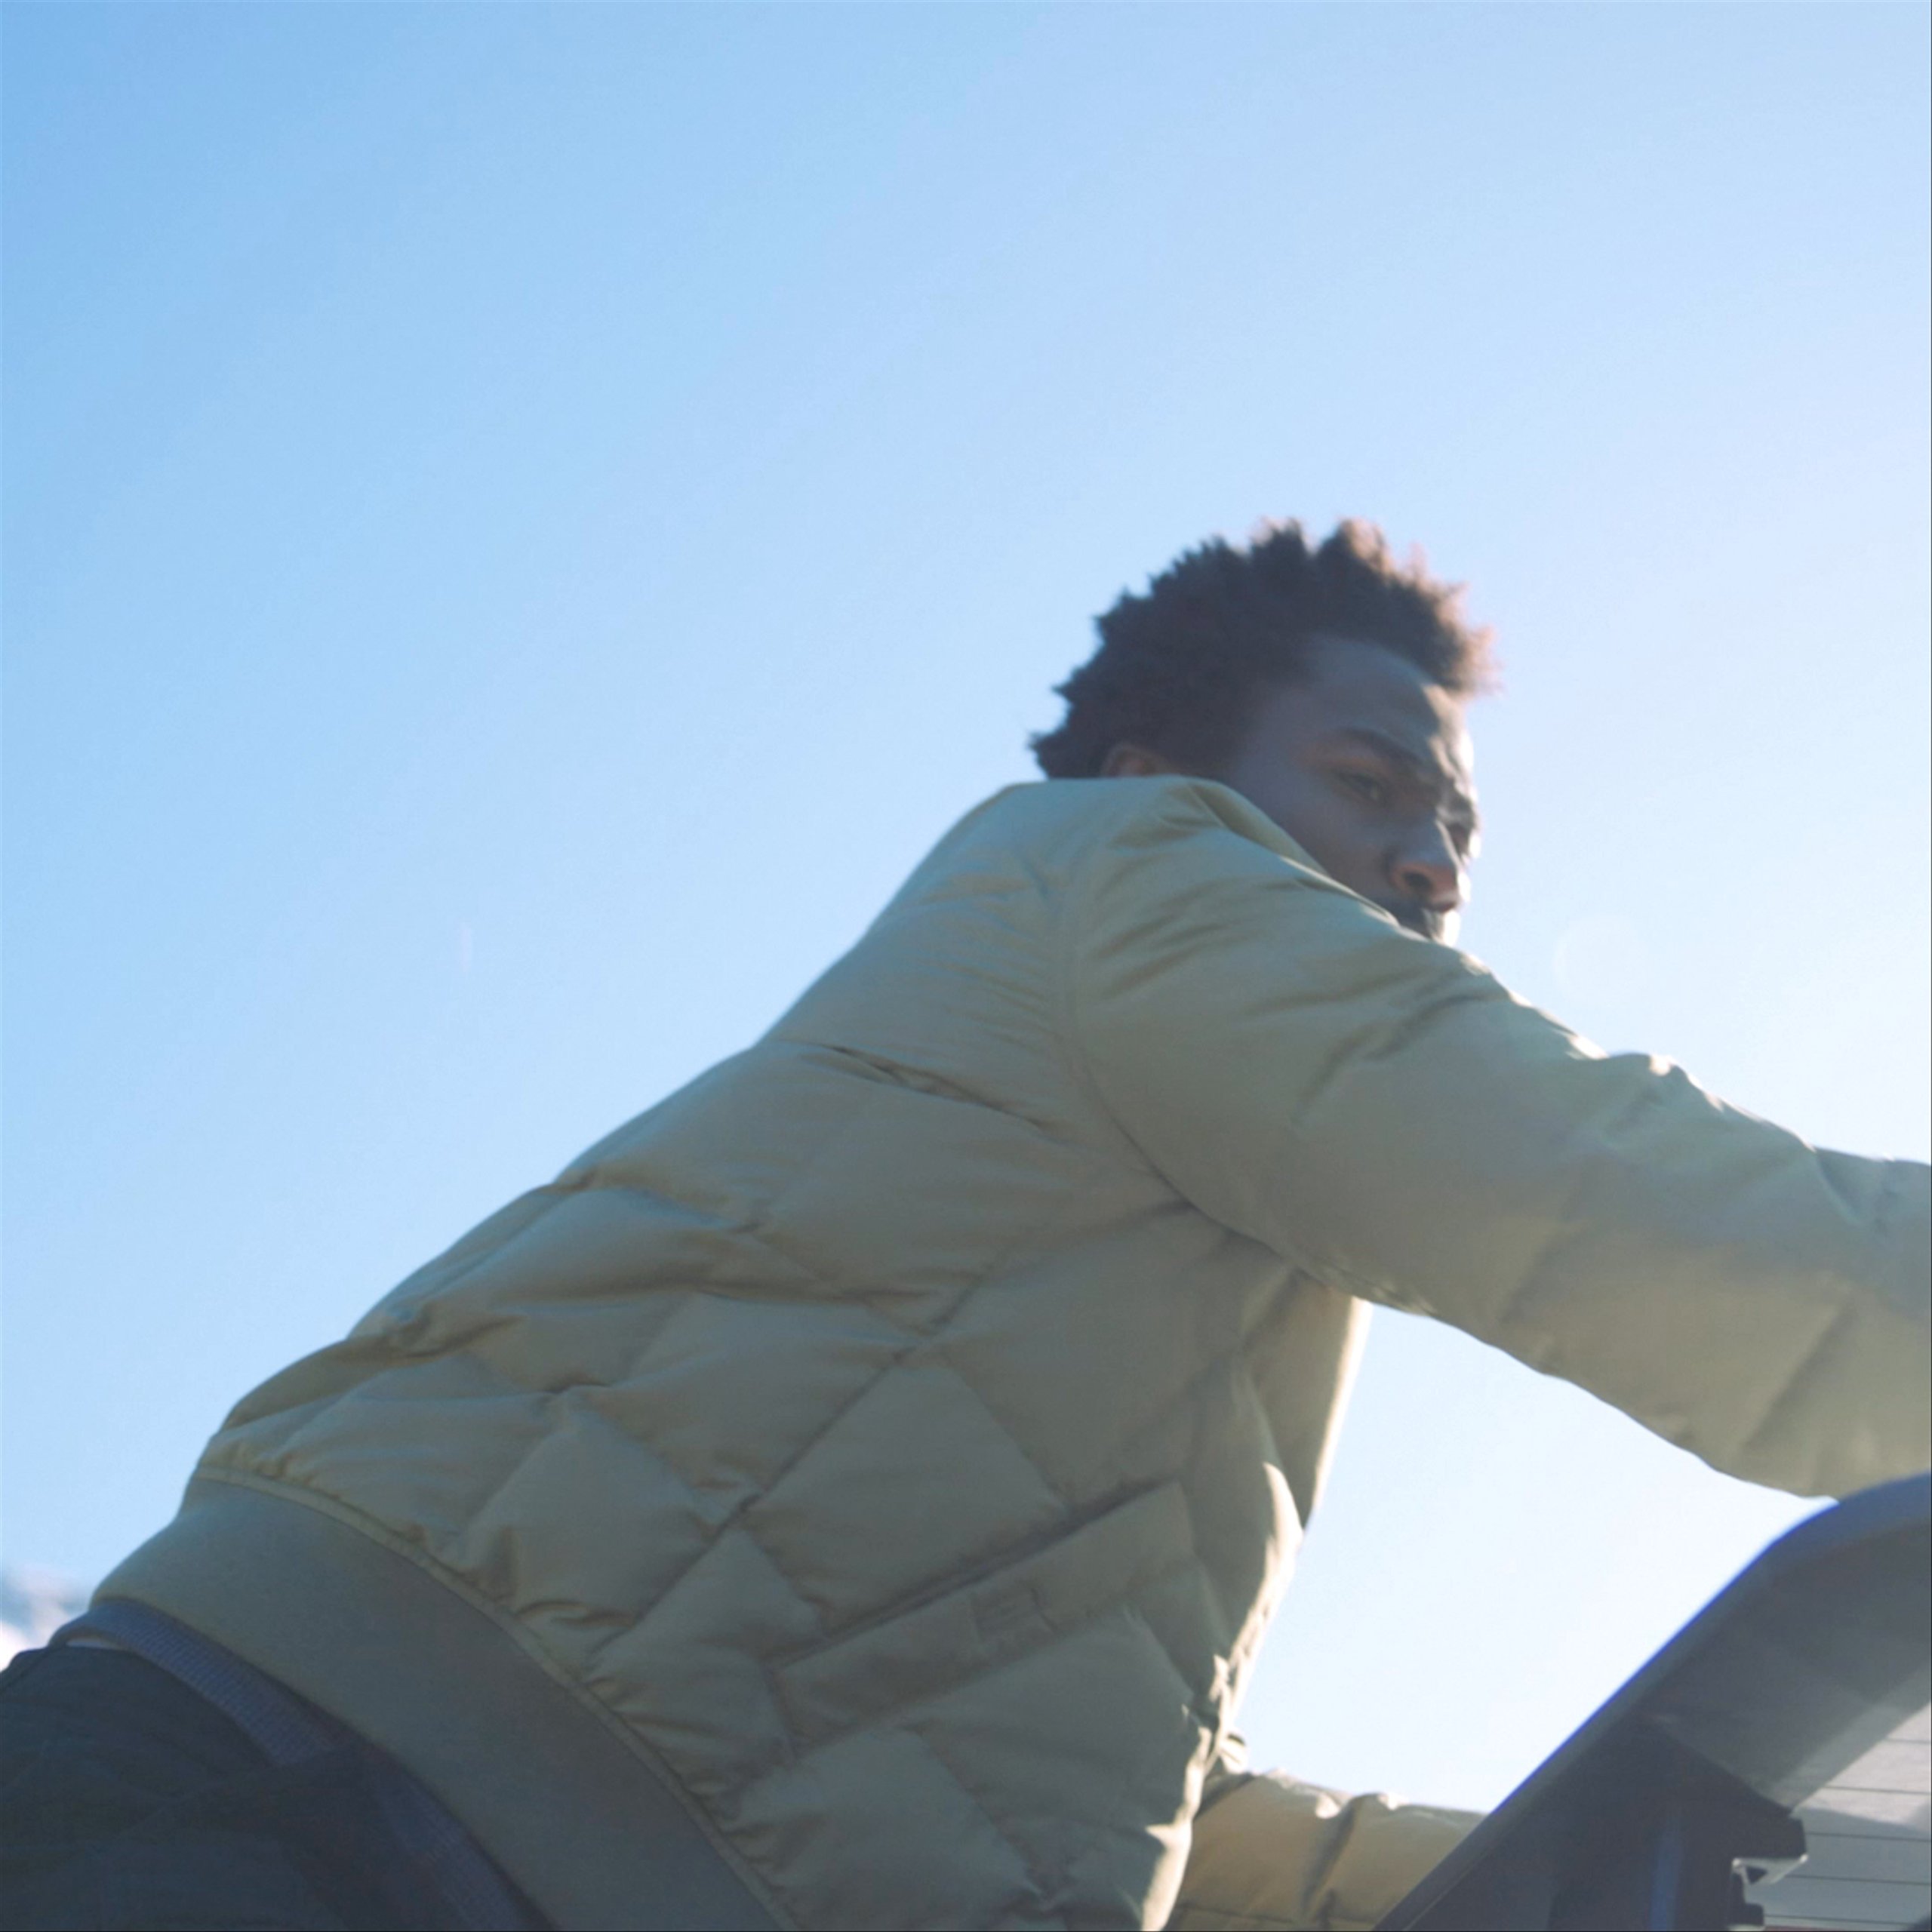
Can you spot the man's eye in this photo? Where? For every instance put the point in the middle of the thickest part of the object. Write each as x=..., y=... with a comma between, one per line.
x=1365, y=786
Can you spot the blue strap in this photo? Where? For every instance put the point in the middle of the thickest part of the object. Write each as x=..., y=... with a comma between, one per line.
x=287, y=1730
x=283, y=1728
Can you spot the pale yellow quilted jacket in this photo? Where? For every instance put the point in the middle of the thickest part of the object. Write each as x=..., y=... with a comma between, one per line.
x=882, y=1457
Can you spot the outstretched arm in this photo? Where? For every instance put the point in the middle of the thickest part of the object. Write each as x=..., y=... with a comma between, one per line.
x=1379, y=1109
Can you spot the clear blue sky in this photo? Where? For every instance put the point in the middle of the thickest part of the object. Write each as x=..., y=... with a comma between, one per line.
x=523, y=522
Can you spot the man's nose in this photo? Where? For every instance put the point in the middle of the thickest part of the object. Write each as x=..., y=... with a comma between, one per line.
x=1430, y=873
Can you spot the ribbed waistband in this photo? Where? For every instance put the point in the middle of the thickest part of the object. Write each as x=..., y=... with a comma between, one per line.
x=287, y=1730
x=567, y=1800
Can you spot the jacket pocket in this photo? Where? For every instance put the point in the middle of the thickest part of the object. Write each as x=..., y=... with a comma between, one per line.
x=1086, y=1571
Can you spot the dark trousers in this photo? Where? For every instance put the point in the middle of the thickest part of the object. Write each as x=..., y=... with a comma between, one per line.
x=128, y=1801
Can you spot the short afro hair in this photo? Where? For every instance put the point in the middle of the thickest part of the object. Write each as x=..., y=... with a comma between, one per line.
x=1179, y=669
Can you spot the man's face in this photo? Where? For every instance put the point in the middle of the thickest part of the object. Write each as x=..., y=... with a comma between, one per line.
x=1366, y=766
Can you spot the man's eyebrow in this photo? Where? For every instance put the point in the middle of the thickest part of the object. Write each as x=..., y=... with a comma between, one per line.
x=1398, y=753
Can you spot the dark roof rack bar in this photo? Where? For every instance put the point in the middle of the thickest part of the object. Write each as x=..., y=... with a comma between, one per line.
x=1681, y=1790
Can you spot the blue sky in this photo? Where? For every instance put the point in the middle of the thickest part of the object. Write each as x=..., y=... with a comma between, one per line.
x=523, y=523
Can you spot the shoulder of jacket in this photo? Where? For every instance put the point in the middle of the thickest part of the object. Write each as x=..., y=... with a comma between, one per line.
x=1130, y=814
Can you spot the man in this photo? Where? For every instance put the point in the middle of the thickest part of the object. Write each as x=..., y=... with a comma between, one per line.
x=852, y=1494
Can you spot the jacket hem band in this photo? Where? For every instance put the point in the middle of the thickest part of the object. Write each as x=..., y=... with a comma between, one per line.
x=578, y=1818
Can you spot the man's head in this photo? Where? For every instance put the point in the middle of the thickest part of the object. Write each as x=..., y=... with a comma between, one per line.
x=1325, y=684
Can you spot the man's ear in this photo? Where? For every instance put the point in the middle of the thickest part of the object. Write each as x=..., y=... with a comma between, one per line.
x=1127, y=760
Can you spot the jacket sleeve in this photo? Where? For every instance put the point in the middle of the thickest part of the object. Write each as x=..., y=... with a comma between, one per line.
x=1378, y=1108
x=1272, y=1855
